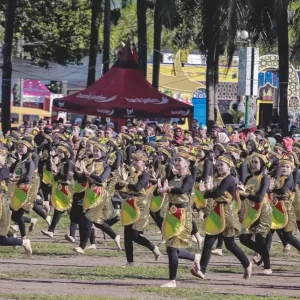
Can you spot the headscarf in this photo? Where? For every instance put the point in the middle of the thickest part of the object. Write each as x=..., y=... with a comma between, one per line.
x=222, y=138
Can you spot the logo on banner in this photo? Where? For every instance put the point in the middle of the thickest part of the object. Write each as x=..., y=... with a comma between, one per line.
x=129, y=112
x=180, y=112
x=164, y=100
x=96, y=98
x=106, y=111
x=61, y=104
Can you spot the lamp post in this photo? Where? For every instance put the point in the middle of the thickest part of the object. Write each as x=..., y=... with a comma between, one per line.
x=244, y=36
x=247, y=65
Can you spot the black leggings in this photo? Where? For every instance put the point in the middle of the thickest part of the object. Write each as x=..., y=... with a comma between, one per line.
x=194, y=228
x=173, y=255
x=259, y=246
x=157, y=218
x=17, y=217
x=131, y=235
x=38, y=209
x=85, y=230
x=230, y=245
x=269, y=238
x=288, y=237
x=45, y=190
x=10, y=241
x=55, y=220
x=106, y=227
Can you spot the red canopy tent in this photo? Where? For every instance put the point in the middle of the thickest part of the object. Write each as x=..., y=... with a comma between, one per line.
x=124, y=92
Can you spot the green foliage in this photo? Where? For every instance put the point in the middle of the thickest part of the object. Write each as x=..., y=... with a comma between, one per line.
x=53, y=30
x=236, y=115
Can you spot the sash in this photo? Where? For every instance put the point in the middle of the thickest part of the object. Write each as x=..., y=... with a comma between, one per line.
x=199, y=199
x=174, y=222
x=80, y=187
x=92, y=196
x=130, y=212
x=20, y=196
x=253, y=213
x=61, y=197
x=279, y=216
x=157, y=203
x=215, y=222
x=47, y=176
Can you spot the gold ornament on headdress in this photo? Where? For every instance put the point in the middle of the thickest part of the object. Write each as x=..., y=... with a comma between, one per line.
x=186, y=155
x=26, y=143
x=274, y=154
x=287, y=161
x=140, y=156
x=227, y=160
x=233, y=149
x=221, y=146
x=165, y=151
x=262, y=157
x=148, y=149
x=64, y=150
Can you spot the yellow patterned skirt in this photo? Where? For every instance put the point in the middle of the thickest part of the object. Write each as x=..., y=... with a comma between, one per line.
x=181, y=238
x=143, y=204
x=98, y=214
x=5, y=216
x=291, y=226
x=263, y=224
x=296, y=204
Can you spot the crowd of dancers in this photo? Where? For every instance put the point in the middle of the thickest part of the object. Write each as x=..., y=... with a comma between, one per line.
x=243, y=185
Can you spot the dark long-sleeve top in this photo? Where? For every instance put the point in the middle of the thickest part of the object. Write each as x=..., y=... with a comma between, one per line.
x=129, y=150
x=104, y=176
x=208, y=169
x=4, y=174
x=142, y=183
x=227, y=185
x=281, y=193
x=29, y=166
x=39, y=139
x=194, y=171
x=242, y=172
x=68, y=170
x=118, y=161
x=35, y=157
x=264, y=187
x=274, y=171
x=186, y=187
x=296, y=177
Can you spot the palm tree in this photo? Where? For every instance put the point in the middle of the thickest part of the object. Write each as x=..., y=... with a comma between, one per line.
x=141, y=11
x=94, y=39
x=269, y=22
x=164, y=14
x=7, y=65
x=106, y=35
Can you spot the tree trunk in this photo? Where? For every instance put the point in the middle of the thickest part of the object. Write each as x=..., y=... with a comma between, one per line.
x=94, y=39
x=284, y=61
x=210, y=87
x=142, y=35
x=216, y=80
x=7, y=65
x=106, y=35
x=157, y=45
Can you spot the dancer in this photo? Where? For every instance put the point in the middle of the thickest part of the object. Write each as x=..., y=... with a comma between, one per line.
x=63, y=187
x=6, y=240
x=177, y=234
x=24, y=184
x=228, y=223
x=135, y=206
x=257, y=226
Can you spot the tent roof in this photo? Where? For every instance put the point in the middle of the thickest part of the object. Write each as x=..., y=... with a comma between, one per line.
x=124, y=92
